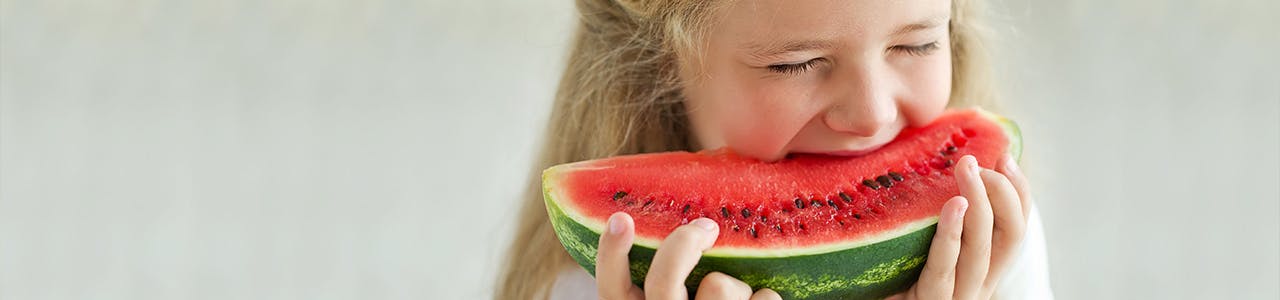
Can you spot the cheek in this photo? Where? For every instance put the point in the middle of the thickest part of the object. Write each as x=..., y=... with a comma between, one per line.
x=757, y=120
x=928, y=89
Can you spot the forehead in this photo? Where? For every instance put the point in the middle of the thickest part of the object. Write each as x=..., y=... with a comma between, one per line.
x=754, y=23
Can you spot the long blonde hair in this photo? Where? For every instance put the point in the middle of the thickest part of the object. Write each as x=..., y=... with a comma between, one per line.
x=620, y=94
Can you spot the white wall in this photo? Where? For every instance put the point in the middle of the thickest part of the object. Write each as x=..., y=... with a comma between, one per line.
x=375, y=149
x=1155, y=132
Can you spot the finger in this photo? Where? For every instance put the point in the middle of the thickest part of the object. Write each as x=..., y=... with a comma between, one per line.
x=938, y=279
x=766, y=294
x=613, y=271
x=1011, y=170
x=975, y=240
x=1009, y=225
x=717, y=285
x=675, y=258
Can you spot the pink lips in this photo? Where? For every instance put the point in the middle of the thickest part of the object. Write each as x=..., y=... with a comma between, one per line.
x=851, y=153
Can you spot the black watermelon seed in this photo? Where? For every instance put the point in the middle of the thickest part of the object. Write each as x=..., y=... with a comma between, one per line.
x=832, y=204
x=802, y=226
x=735, y=227
x=724, y=212
x=845, y=197
x=884, y=181
x=753, y=232
x=685, y=210
x=619, y=195
x=871, y=184
x=949, y=163
x=764, y=219
x=746, y=213
x=799, y=204
x=857, y=216
x=647, y=202
x=895, y=176
x=815, y=203
x=778, y=228
x=841, y=223
x=951, y=149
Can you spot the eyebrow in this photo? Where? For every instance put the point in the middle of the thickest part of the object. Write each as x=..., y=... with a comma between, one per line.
x=767, y=50
x=922, y=25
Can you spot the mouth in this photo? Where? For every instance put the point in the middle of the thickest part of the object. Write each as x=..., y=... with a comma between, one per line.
x=848, y=153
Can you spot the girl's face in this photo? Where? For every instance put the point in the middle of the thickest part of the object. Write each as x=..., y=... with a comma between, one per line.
x=837, y=77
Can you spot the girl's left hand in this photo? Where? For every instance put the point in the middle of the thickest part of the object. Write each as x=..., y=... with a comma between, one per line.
x=979, y=233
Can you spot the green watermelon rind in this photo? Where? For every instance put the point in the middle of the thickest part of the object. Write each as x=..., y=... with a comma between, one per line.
x=871, y=271
x=874, y=268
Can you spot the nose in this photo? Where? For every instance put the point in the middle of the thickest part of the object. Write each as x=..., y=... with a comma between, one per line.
x=863, y=103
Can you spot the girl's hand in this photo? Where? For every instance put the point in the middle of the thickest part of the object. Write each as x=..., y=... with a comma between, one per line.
x=978, y=233
x=671, y=265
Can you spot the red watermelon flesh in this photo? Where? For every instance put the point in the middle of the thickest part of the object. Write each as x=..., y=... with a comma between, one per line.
x=802, y=201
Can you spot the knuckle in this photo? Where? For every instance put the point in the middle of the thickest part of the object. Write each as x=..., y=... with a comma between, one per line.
x=951, y=236
x=653, y=286
x=716, y=283
x=943, y=275
x=684, y=235
x=766, y=293
x=981, y=247
x=656, y=279
x=1013, y=230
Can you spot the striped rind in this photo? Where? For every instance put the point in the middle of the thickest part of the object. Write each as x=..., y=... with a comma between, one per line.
x=872, y=267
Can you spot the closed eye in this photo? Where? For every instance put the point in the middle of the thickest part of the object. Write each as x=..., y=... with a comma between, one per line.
x=917, y=50
x=796, y=68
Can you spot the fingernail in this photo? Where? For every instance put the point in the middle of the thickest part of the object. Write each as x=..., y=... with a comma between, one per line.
x=973, y=165
x=706, y=224
x=615, y=224
x=1010, y=165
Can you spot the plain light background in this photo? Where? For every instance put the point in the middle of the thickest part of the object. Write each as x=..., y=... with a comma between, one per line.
x=376, y=149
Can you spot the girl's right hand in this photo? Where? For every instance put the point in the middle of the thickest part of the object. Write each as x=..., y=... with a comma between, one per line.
x=671, y=265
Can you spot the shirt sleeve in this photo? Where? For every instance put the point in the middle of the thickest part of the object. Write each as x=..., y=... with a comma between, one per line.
x=1028, y=277
x=574, y=283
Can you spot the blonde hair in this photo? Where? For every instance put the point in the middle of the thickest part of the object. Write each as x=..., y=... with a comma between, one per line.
x=620, y=94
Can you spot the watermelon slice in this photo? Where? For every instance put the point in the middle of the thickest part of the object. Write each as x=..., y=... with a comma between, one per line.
x=808, y=226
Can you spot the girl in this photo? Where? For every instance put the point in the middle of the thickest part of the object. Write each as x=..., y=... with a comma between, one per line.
x=767, y=78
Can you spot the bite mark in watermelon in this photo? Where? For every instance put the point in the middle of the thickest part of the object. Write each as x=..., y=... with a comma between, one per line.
x=808, y=226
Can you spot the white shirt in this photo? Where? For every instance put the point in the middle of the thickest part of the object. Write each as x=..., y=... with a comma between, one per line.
x=1028, y=277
